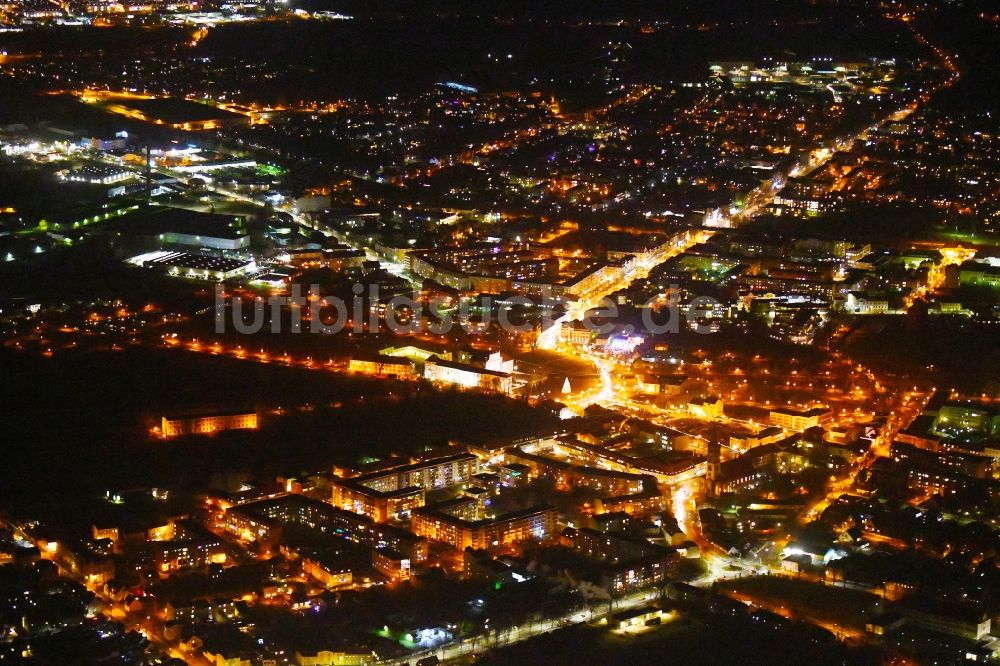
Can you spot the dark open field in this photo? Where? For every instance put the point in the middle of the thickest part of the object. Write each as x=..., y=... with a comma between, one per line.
x=80, y=423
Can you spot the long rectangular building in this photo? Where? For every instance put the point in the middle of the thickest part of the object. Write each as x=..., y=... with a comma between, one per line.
x=395, y=491
x=264, y=520
x=469, y=376
x=452, y=523
x=207, y=423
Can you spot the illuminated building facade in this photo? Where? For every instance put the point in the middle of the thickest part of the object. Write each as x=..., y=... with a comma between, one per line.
x=638, y=573
x=192, y=547
x=709, y=407
x=328, y=658
x=326, y=574
x=395, y=491
x=382, y=367
x=452, y=523
x=797, y=421
x=469, y=376
x=196, y=266
x=376, y=504
x=610, y=546
x=99, y=174
x=391, y=564
x=204, y=424
x=979, y=275
x=567, y=474
x=961, y=418
x=576, y=333
x=953, y=618
x=484, y=269
x=264, y=520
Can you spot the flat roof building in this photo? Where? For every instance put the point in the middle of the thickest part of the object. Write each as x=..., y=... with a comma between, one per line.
x=207, y=423
x=200, y=267
x=799, y=420
x=469, y=376
x=397, y=490
x=453, y=523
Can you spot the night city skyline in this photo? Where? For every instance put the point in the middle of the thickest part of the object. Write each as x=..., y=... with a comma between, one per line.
x=419, y=332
